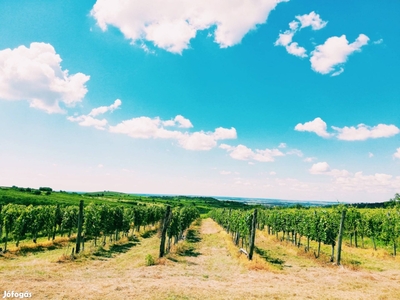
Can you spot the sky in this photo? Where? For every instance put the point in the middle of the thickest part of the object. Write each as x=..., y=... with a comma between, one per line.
x=295, y=100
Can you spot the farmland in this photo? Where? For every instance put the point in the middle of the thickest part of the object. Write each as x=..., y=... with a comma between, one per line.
x=202, y=259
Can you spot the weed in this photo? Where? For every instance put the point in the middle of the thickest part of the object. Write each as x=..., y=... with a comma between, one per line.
x=149, y=260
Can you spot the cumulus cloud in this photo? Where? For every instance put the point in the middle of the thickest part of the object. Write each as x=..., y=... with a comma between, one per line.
x=295, y=152
x=225, y=172
x=225, y=133
x=241, y=152
x=146, y=128
x=296, y=50
x=103, y=109
x=35, y=74
x=285, y=38
x=317, y=126
x=312, y=20
x=155, y=128
x=359, y=133
x=309, y=159
x=363, y=132
x=397, y=153
x=320, y=168
x=171, y=25
x=327, y=58
x=334, y=52
x=325, y=169
x=89, y=121
x=378, y=182
x=179, y=121
x=282, y=145
x=198, y=141
x=358, y=181
x=370, y=154
x=183, y=122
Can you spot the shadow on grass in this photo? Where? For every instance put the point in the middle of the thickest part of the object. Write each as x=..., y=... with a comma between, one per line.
x=188, y=251
x=192, y=236
x=114, y=249
x=148, y=233
x=264, y=254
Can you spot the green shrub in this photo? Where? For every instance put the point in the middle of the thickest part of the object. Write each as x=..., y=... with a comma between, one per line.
x=150, y=260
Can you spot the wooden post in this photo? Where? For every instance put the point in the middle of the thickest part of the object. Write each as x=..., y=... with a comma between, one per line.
x=164, y=230
x=78, y=236
x=341, y=229
x=253, y=234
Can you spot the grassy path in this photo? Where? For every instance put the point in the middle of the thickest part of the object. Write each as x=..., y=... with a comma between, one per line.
x=210, y=268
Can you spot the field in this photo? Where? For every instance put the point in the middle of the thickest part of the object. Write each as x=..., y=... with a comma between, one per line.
x=206, y=265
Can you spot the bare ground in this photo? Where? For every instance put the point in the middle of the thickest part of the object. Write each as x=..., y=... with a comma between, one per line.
x=214, y=270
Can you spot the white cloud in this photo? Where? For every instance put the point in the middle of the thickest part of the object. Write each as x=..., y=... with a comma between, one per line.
x=293, y=25
x=295, y=152
x=320, y=168
x=296, y=50
x=179, y=121
x=198, y=141
x=285, y=38
x=334, y=52
x=34, y=74
x=272, y=173
x=337, y=73
x=241, y=152
x=267, y=155
x=146, y=128
x=376, y=183
x=313, y=20
x=309, y=159
x=103, y=109
x=225, y=172
x=224, y=133
x=363, y=132
x=317, y=126
x=380, y=41
x=89, y=121
x=183, y=122
x=370, y=154
x=397, y=153
x=359, y=133
x=171, y=25
x=282, y=145
x=324, y=168
x=327, y=58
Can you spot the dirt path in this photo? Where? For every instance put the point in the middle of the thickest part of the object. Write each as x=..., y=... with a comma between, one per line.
x=215, y=272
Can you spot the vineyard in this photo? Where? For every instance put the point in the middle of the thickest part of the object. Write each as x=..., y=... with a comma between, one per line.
x=121, y=240
x=94, y=223
x=294, y=225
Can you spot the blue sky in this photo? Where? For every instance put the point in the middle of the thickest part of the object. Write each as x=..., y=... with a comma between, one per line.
x=290, y=100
